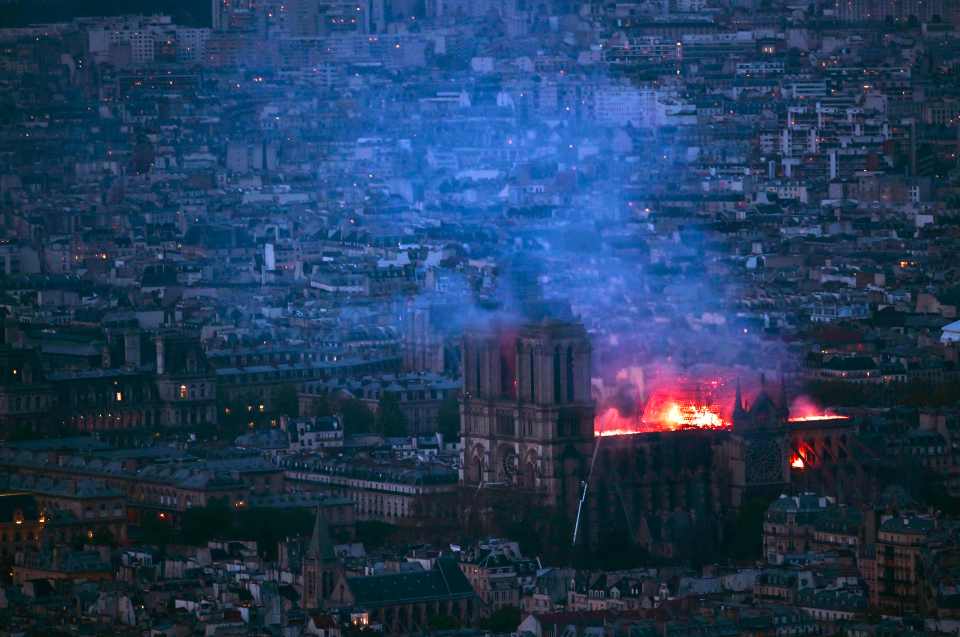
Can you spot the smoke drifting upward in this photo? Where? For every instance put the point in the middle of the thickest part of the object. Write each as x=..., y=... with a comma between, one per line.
x=803, y=408
x=665, y=309
x=605, y=223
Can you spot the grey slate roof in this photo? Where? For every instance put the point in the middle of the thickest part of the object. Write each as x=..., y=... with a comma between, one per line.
x=444, y=582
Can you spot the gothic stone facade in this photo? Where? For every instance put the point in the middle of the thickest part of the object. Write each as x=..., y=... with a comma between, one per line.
x=527, y=412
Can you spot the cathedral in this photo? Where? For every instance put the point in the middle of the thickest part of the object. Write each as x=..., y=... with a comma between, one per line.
x=527, y=427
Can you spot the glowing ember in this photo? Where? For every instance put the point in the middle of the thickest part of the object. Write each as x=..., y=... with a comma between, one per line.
x=685, y=406
x=661, y=398
x=681, y=416
x=819, y=417
x=618, y=432
x=675, y=402
x=660, y=416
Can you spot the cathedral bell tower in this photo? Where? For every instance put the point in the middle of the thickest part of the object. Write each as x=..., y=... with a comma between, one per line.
x=527, y=413
x=760, y=433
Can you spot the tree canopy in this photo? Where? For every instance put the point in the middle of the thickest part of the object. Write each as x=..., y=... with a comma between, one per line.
x=391, y=421
x=284, y=400
x=503, y=620
x=220, y=521
x=357, y=418
x=448, y=418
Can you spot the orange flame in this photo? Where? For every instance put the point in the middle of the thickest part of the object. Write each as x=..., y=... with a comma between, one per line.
x=816, y=417
x=675, y=402
x=617, y=432
x=681, y=416
x=797, y=462
x=666, y=416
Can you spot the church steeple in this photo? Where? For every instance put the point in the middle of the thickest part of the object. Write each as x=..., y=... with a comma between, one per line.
x=784, y=401
x=319, y=565
x=320, y=547
x=764, y=412
x=738, y=410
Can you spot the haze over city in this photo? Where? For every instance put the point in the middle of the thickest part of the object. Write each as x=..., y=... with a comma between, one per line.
x=535, y=318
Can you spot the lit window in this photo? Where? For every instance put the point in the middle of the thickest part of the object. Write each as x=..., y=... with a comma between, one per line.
x=119, y=396
x=183, y=391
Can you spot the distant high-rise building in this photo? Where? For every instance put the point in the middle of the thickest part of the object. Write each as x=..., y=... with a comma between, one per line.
x=312, y=18
x=378, y=15
x=216, y=14
x=225, y=13
x=269, y=258
x=871, y=10
x=303, y=18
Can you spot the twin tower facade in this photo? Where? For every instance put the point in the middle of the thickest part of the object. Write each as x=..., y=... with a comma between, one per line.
x=527, y=411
